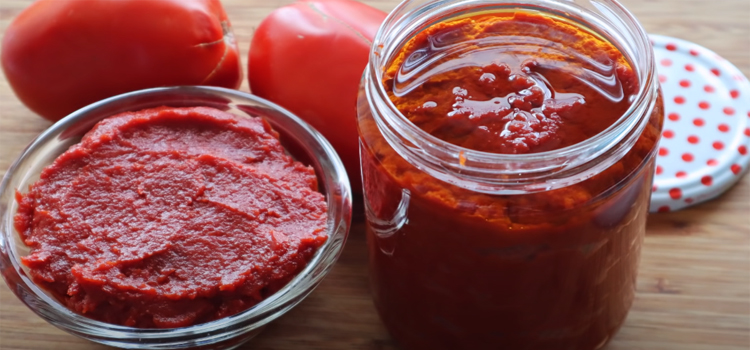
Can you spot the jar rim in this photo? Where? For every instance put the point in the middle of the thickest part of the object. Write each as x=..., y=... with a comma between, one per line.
x=498, y=172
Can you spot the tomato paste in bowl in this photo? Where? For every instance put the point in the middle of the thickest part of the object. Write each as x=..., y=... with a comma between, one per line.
x=179, y=220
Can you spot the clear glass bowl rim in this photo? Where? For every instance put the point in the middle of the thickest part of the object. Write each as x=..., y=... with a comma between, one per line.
x=336, y=189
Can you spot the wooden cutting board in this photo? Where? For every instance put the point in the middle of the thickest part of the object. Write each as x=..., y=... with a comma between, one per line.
x=694, y=282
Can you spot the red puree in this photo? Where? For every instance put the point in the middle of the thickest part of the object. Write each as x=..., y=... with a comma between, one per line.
x=511, y=83
x=453, y=268
x=170, y=217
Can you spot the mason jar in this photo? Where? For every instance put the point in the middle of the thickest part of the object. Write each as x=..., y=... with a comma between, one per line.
x=470, y=249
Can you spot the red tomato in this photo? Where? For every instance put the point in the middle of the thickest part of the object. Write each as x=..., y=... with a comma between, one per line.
x=60, y=55
x=309, y=57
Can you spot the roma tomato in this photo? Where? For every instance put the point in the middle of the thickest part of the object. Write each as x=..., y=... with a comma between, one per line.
x=309, y=57
x=60, y=55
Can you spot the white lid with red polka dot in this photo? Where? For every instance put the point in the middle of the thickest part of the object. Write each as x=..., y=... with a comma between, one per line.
x=706, y=136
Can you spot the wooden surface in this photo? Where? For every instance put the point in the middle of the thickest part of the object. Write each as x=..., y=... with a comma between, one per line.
x=694, y=282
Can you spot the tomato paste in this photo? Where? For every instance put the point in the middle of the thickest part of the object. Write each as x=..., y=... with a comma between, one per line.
x=455, y=268
x=170, y=217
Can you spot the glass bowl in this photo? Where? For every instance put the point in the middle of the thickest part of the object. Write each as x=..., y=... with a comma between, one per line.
x=299, y=139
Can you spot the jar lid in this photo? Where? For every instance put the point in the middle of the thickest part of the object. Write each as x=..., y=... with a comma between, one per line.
x=704, y=146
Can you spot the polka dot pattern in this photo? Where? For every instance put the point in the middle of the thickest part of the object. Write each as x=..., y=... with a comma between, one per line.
x=675, y=193
x=704, y=147
x=736, y=169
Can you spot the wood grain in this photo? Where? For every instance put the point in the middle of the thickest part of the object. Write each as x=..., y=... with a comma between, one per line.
x=694, y=282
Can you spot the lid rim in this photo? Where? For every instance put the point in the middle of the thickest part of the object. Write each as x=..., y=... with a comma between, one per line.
x=731, y=89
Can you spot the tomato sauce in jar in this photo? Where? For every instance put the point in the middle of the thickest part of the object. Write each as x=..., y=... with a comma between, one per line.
x=507, y=157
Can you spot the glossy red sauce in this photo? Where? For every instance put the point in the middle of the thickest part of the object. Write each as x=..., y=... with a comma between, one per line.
x=508, y=83
x=453, y=268
x=170, y=217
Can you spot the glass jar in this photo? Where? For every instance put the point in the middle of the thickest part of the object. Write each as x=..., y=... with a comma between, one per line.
x=477, y=250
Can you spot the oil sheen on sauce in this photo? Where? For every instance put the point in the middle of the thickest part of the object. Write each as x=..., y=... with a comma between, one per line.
x=511, y=83
x=453, y=268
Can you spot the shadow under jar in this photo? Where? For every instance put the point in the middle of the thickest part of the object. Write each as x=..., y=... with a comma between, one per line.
x=507, y=156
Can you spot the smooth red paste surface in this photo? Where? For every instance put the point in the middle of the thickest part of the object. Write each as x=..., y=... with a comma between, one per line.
x=170, y=217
